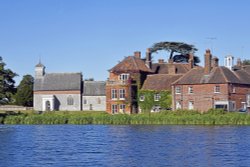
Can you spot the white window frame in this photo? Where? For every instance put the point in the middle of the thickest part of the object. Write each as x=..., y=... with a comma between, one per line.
x=178, y=105
x=122, y=93
x=157, y=97
x=177, y=90
x=190, y=105
x=142, y=97
x=190, y=90
x=122, y=108
x=216, y=89
x=124, y=77
x=114, y=94
x=234, y=89
x=114, y=108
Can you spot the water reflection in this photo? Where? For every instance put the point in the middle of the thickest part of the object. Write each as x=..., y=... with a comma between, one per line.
x=102, y=145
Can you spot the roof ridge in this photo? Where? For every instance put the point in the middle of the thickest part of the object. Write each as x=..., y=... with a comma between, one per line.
x=133, y=59
x=187, y=73
x=220, y=68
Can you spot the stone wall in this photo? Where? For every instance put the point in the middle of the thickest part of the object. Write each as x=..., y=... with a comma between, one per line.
x=14, y=108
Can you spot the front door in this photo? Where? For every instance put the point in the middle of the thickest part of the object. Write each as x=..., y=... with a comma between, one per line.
x=47, y=106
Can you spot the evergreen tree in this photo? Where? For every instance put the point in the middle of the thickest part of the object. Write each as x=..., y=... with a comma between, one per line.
x=246, y=62
x=24, y=95
x=181, y=48
x=7, y=83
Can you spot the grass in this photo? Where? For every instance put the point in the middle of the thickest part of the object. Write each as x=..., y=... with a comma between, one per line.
x=183, y=117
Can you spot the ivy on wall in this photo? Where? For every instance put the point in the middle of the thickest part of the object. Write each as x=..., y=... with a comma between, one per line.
x=146, y=105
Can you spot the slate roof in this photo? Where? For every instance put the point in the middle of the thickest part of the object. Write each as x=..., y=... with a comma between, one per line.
x=131, y=64
x=247, y=68
x=58, y=81
x=160, y=82
x=216, y=76
x=94, y=88
x=162, y=68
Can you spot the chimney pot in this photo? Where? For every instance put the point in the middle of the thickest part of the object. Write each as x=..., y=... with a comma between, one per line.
x=137, y=54
x=215, y=62
x=160, y=61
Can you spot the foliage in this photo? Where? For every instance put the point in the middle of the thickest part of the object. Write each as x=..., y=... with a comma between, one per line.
x=24, y=95
x=7, y=84
x=179, y=47
x=164, y=102
x=246, y=62
x=180, y=117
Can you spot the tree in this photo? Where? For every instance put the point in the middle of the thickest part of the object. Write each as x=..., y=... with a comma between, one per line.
x=7, y=83
x=246, y=62
x=179, y=47
x=24, y=95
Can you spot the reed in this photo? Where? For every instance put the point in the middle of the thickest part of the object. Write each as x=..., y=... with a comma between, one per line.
x=181, y=117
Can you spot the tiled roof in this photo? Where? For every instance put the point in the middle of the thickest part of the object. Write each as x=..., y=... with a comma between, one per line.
x=159, y=82
x=131, y=64
x=58, y=81
x=216, y=76
x=94, y=88
x=162, y=68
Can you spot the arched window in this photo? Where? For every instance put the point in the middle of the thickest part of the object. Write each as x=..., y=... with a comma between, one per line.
x=70, y=100
x=99, y=100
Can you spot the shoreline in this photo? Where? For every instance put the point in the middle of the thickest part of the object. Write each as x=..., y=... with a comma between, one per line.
x=212, y=117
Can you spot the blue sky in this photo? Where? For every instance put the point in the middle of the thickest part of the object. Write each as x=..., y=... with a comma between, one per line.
x=91, y=36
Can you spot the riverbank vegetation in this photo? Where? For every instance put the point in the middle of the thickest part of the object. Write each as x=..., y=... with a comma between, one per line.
x=213, y=117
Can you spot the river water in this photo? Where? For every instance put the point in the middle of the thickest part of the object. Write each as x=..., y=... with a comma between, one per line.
x=107, y=145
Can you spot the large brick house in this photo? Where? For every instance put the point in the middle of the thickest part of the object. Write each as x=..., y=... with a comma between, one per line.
x=135, y=73
x=66, y=91
x=213, y=87
x=124, y=81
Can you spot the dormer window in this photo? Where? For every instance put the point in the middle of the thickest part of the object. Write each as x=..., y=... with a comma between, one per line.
x=124, y=77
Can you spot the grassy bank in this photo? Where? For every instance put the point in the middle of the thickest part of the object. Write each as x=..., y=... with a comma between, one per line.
x=168, y=118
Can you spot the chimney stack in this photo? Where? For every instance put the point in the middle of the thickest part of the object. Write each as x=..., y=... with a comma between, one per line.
x=160, y=61
x=148, y=58
x=239, y=63
x=137, y=54
x=215, y=62
x=208, y=57
x=171, y=69
x=191, y=61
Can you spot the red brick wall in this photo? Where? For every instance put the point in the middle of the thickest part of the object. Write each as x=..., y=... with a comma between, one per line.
x=204, y=97
x=110, y=101
x=239, y=95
